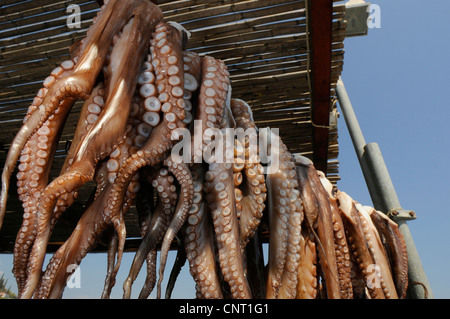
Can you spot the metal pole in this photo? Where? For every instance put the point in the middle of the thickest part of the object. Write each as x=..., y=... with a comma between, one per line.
x=355, y=133
x=383, y=194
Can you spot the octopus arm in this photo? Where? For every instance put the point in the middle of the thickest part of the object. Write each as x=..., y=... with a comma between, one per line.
x=340, y=241
x=358, y=243
x=278, y=214
x=383, y=271
x=285, y=219
x=180, y=261
x=97, y=143
x=19, y=144
x=32, y=178
x=395, y=247
x=159, y=221
x=199, y=243
x=254, y=190
x=86, y=234
x=289, y=279
x=166, y=52
x=81, y=81
x=220, y=197
x=307, y=286
x=111, y=252
x=184, y=177
x=150, y=279
x=323, y=227
x=213, y=95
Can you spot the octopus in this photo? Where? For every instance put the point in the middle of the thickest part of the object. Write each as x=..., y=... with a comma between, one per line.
x=160, y=130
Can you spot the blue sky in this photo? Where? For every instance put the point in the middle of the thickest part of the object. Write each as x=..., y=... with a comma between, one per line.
x=398, y=79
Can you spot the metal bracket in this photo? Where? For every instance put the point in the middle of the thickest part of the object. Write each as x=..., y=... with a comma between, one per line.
x=401, y=214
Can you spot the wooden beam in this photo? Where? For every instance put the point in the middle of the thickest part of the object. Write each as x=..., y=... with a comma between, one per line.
x=320, y=15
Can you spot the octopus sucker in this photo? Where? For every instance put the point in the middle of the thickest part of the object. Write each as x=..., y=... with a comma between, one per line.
x=137, y=141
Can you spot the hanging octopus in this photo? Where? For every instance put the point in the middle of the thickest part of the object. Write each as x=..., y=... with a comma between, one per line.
x=160, y=130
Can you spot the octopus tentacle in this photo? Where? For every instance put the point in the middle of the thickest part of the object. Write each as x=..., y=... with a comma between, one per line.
x=110, y=279
x=17, y=147
x=180, y=260
x=158, y=222
x=220, y=189
x=145, y=207
x=90, y=111
x=89, y=114
x=184, y=178
x=167, y=59
x=355, y=235
x=307, y=287
x=278, y=219
x=35, y=163
x=254, y=186
x=340, y=241
x=385, y=279
x=289, y=279
x=192, y=77
x=75, y=248
x=219, y=186
x=285, y=218
x=199, y=243
x=395, y=247
x=101, y=137
x=317, y=205
x=81, y=81
x=85, y=236
x=69, y=255
x=150, y=280
x=214, y=92
x=136, y=132
x=34, y=169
